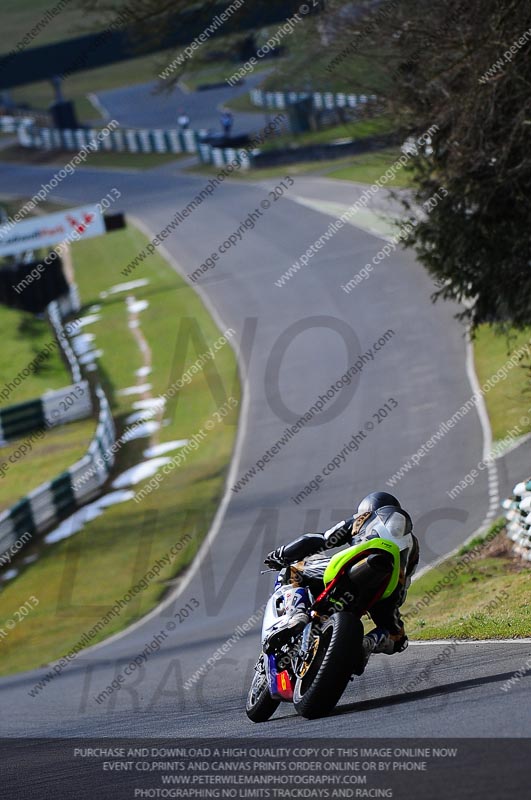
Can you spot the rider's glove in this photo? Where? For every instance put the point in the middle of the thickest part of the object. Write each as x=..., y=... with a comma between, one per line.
x=275, y=558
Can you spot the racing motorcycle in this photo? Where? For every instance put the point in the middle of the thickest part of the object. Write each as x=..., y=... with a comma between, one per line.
x=313, y=667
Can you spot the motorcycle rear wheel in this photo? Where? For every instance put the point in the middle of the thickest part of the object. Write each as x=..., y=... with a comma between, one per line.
x=337, y=656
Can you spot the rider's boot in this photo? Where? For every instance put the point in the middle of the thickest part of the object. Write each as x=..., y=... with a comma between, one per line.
x=292, y=622
x=376, y=641
x=379, y=640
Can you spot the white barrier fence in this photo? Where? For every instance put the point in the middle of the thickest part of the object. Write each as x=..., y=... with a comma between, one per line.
x=55, y=408
x=319, y=100
x=53, y=500
x=49, y=503
x=518, y=515
x=130, y=140
x=120, y=140
x=12, y=124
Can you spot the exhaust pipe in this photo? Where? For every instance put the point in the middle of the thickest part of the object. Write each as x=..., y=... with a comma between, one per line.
x=369, y=574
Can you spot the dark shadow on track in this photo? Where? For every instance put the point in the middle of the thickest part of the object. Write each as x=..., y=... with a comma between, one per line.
x=391, y=700
x=407, y=697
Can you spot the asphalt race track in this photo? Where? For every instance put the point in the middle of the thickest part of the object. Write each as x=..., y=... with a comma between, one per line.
x=422, y=367
x=140, y=107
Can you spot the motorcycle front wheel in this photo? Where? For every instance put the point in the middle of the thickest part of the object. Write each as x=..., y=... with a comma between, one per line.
x=338, y=648
x=260, y=705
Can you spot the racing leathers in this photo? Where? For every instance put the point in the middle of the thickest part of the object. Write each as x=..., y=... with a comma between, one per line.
x=388, y=523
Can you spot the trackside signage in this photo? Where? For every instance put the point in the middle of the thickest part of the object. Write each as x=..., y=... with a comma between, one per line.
x=73, y=224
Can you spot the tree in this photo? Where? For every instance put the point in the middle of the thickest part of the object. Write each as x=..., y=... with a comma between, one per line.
x=465, y=67
x=151, y=23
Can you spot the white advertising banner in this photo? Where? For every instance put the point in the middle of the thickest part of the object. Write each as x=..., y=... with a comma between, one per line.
x=72, y=225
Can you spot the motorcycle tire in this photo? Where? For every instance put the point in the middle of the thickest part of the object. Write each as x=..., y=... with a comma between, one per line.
x=260, y=705
x=337, y=656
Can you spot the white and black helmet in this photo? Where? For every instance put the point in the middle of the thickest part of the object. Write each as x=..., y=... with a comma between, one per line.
x=391, y=523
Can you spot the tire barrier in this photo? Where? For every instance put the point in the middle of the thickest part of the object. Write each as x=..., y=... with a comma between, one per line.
x=52, y=501
x=326, y=151
x=11, y=124
x=69, y=303
x=16, y=116
x=221, y=156
x=218, y=156
x=55, y=315
x=121, y=140
x=320, y=100
x=47, y=505
x=132, y=141
x=518, y=516
x=52, y=409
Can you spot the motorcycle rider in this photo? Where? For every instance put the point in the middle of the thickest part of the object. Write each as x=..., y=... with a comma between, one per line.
x=379, y=515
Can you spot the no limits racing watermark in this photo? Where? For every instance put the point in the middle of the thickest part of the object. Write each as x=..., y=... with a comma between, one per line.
x=159, y=403
x=453, y=573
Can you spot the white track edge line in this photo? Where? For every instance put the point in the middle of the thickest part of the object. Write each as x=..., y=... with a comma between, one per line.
x=231, y=476
x=492, y=468
x=417, y=643
x=98, y=105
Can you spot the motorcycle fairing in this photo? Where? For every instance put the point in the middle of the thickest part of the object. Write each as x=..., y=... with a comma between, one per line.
x=280, y=685
x=341, y=559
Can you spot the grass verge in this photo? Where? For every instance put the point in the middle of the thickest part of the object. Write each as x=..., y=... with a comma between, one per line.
x=510, y=398
x=24, y=337
x=217, y=71
x=117, y=549
x=300, y=168
x=354, y=129
x=242, y=102
x=368, y=167
x=458, y=609
x=365, y=168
